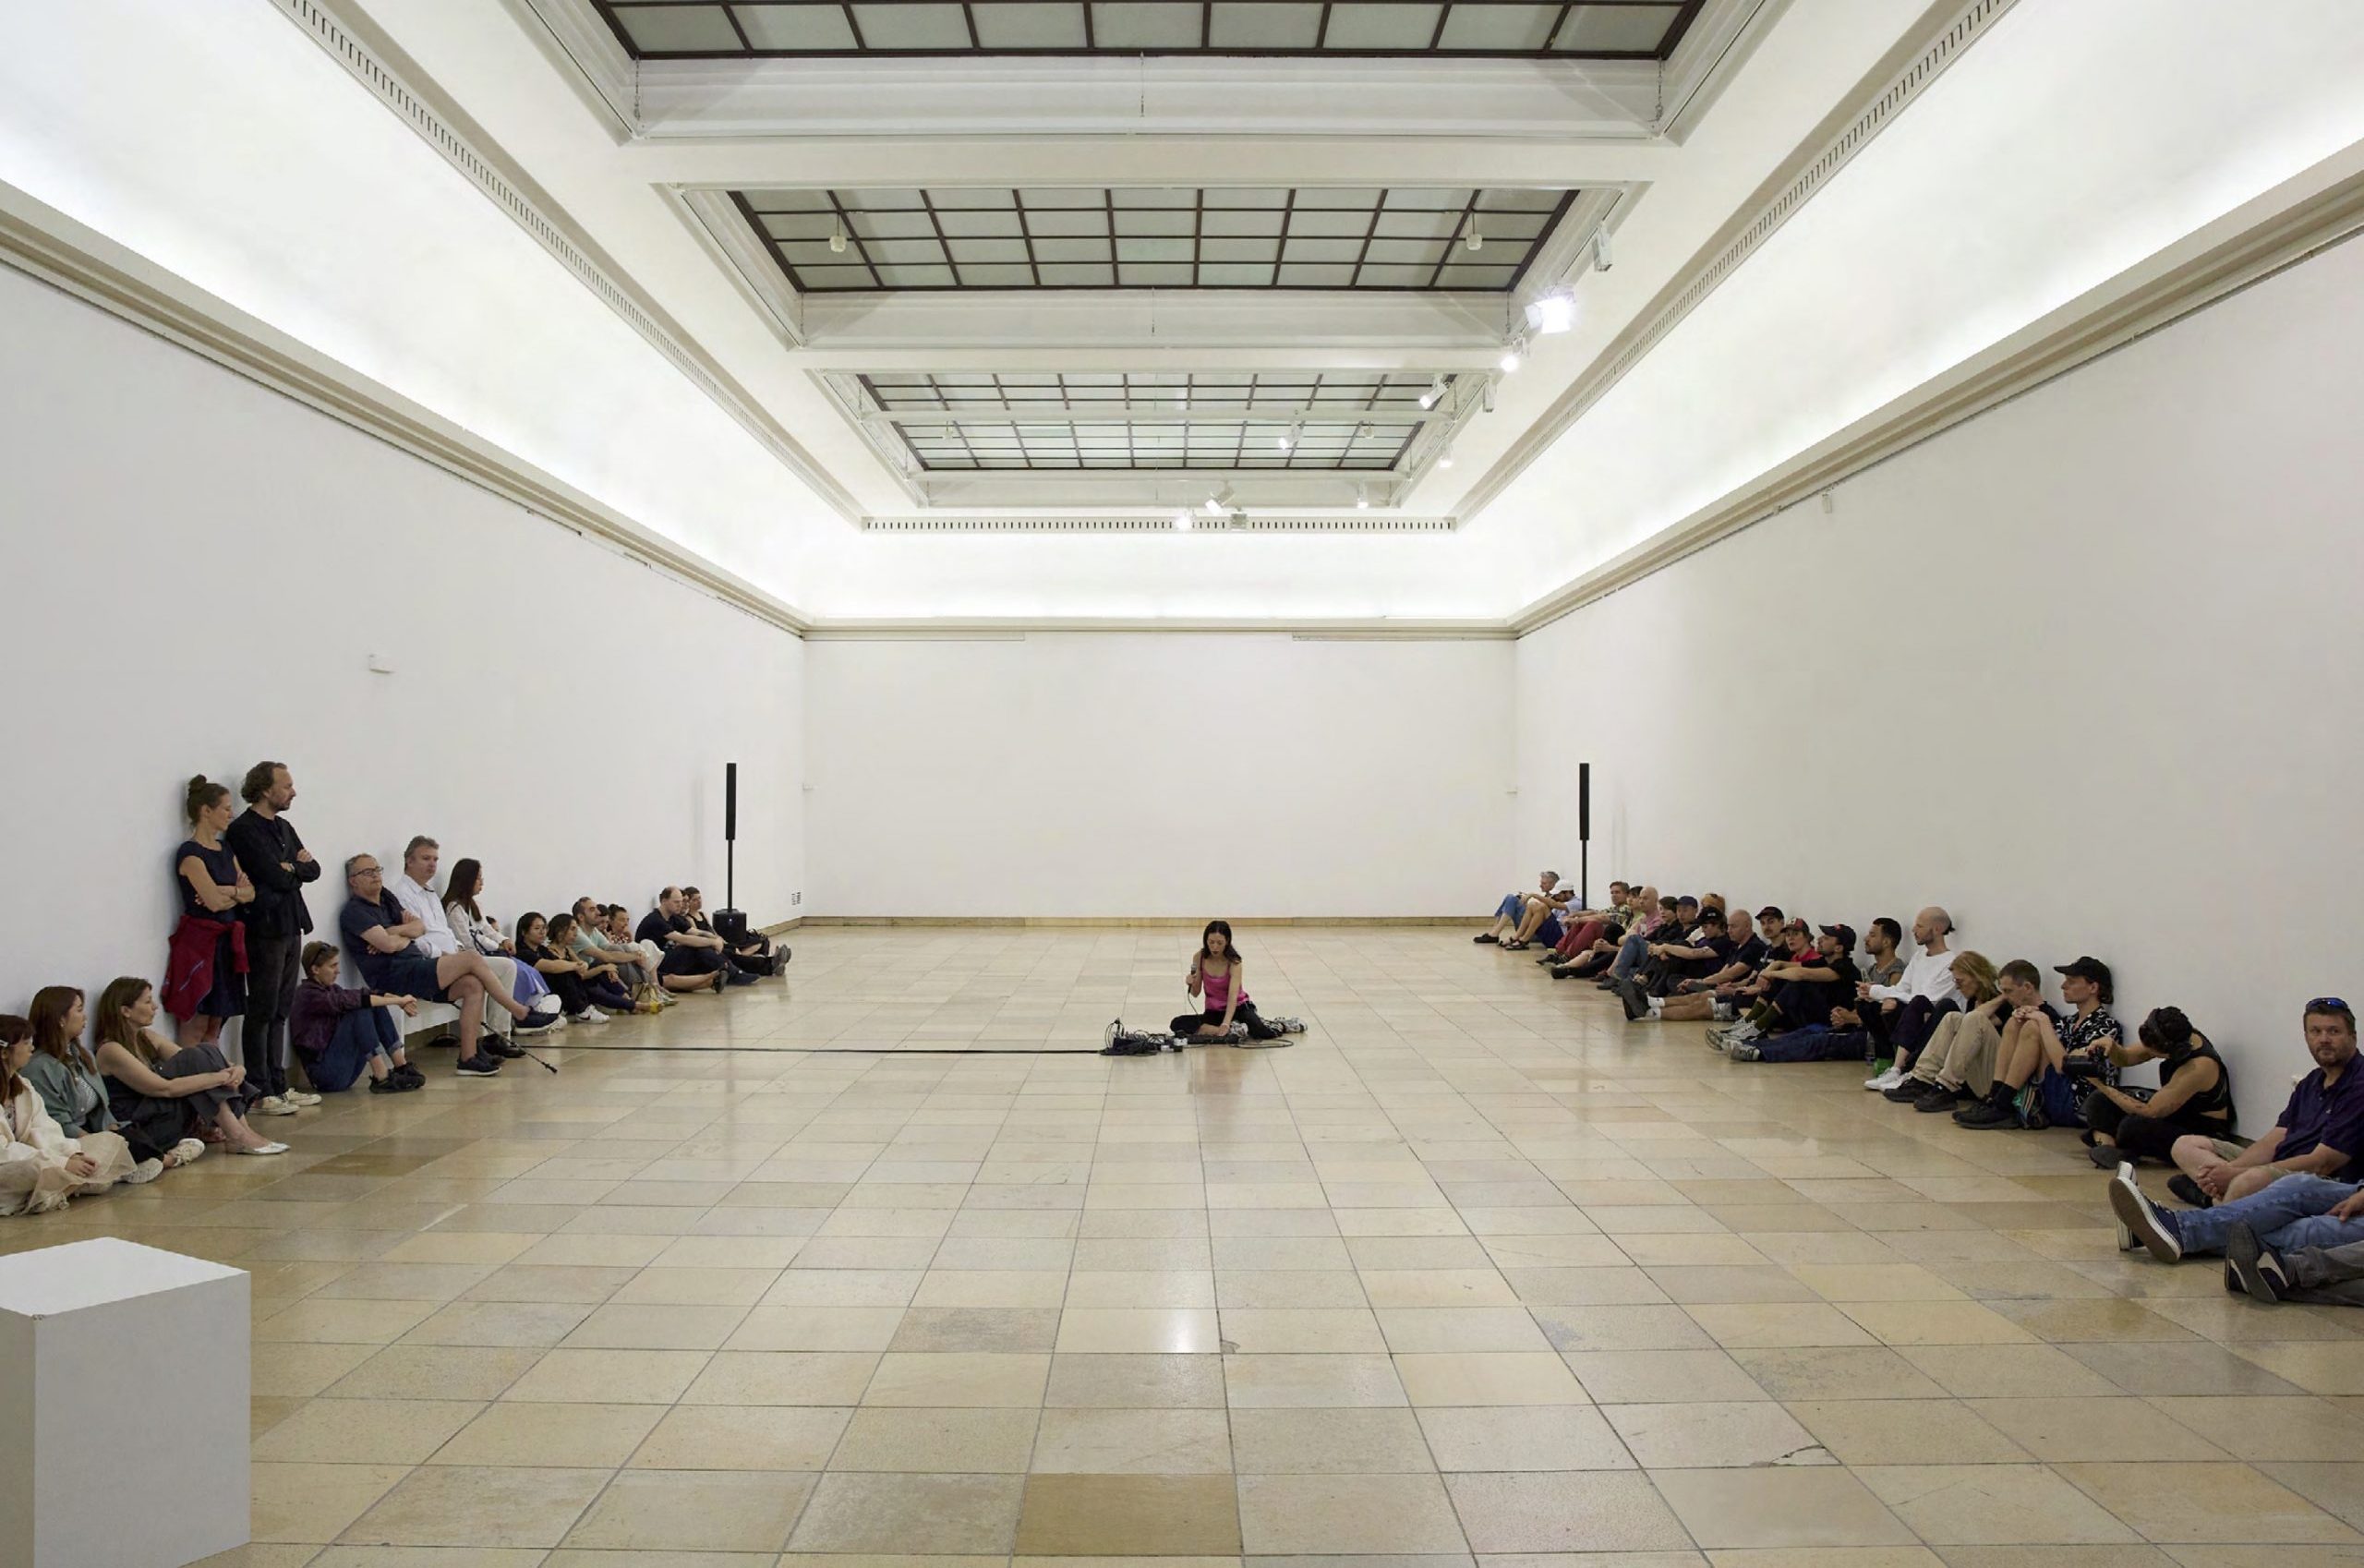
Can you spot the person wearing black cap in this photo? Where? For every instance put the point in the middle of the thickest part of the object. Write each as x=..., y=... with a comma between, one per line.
x=2194, y=1098
x=1803, y=992
x=2039, y=1080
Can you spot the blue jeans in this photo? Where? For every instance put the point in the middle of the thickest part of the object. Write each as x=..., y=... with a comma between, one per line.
x=1508, y=909
x=360, y=1035
x=2293, y=1212
x=1630, y=954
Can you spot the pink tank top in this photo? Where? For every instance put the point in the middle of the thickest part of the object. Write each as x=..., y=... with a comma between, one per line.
x=1217, y=984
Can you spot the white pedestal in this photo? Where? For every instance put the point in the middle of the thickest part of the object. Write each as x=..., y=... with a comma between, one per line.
x=124, y=1379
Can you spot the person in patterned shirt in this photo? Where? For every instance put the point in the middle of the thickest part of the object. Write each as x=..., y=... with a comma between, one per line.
x=2040, y=1074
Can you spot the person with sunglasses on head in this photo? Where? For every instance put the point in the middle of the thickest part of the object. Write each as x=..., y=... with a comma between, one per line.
x=2296, y=1187
x=2194, y=1099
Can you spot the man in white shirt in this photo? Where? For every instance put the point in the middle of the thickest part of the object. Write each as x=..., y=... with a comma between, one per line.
x=419, y=899
x=1901, y=1018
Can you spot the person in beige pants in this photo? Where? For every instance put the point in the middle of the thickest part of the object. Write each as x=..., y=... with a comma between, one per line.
x=1957, y=1065
x=41, y=1168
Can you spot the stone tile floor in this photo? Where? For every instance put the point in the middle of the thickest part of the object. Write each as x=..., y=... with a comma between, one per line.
x=1475, y=1271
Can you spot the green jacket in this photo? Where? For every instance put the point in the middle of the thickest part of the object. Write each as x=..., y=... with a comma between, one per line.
x=77, y=1100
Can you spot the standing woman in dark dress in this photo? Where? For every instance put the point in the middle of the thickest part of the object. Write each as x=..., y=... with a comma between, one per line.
x=205, y=982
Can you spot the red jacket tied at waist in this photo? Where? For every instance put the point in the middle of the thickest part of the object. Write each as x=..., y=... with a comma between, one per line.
x=189, y=967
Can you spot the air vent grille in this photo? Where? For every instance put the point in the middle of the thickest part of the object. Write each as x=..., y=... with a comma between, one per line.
x=1349, y=522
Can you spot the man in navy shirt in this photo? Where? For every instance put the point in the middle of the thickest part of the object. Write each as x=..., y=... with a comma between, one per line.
x=381, y=936
x=2296, y=1187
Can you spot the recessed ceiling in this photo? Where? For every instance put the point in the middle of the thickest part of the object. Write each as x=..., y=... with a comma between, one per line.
x=1601, y=30
x=1258, y=237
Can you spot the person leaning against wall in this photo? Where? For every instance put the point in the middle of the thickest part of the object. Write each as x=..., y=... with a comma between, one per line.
x=272, y=856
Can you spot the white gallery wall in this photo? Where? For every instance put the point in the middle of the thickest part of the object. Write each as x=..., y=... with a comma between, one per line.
x=2084, y=669
x=1179, y=775
x=199, y=571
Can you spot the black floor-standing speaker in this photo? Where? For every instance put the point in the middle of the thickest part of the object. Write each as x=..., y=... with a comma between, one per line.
x=731, y=922
x=1584, y=835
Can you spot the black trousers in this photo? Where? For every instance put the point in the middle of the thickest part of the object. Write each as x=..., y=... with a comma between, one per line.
x=1189, y=1023
x=1901, y=1033
x=2154, y=1136
x=272, y=974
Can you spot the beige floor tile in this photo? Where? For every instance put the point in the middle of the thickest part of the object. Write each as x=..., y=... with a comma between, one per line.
x=2066, y=1429
x=429, y=1371
x=1011, y=1330
x=782, y=1376
x=1487, y=1378
x=978, y=1442
x=1309, y=1329
x=1874, y=1282
x=1992, y=1504
x=1281, y=1516
x=958, y=1378
x=1843, y=1371
x=1533, y=1437
x=1700, y=1436
x=365, y=1431
x=1130, y=1382
x=916, y=1515
x=1328, y=1441
x=1623, y=1327
x=813, y=1328
x=1287, y=1289
x=1778, y=1506
x=1738, y=1326
x=2254, y=1427
x=693, y=1511
x=1935, y=1322
x=610, y=1377
x=1522, y=1517
x=299, y=1371
x=1141, y=1288
x=479, y=1505
x=1304, y=1381
x=315, y=1502
x=1415, y=1329
x=2217, y=1502
x=1129, y=1515
x=2338, y=1487
x=569, y=1435
x=742, y=1437
x=2018, y=1371
x=1143, y=1331
x=1132, y=1442
x=341, y=1321
x=991, y=1287
x=1908, y=1431
x=1631, y=1377
x=1438, y=1287
x=697, y=1287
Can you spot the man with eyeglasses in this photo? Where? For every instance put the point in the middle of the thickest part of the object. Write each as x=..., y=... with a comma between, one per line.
x=384, y=939
x=2295, y=1188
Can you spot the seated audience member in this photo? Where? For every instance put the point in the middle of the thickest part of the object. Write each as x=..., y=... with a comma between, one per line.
x=1713, y=996
x=1799, y=996
x=2038, y=1074
x=474, y=930
x=620, y=934
x=1675, y=960
x=65, y=1076
x=1682, y=930
x=1796, y=946
x=41, y=1167
x=415, y=891
x=1599, y=930
x=383, y=936
x=757, y=955
x=590, y=942
x=1525, y=911
x=1881, y=940
x=167, y=1091
x=2320, y=1132
x=1958, y=1062
x=2311, y=1273
x=692, y=961
x=1903, y=1015
x=2194, y=1098
x=1654, y=920
x=583, y=987
x=342, y=1032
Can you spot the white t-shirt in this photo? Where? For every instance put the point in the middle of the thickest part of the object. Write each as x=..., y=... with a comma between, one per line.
x=437, y=941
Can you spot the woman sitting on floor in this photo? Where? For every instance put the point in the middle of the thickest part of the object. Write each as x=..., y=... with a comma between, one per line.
x=342, y=1032
x=41, y=1168
x=2194, y=1096
x=582, y=987
x=1216, y=979
x=66, y=1077
x=168, y=1092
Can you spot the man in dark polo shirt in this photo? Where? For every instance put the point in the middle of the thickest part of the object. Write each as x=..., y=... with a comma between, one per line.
x=2294, y=1187
x=693, y=960
x=380, y=935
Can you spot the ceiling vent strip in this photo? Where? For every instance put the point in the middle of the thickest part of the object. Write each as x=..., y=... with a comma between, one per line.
x=1236, y=524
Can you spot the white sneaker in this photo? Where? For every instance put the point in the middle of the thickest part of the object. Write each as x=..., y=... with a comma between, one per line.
x=274, y=1105
x=590, y=1015
x=264, y=1149
x=1887, y=1081
x=298, y=1098
x=187, y=1152
x=143, y=1172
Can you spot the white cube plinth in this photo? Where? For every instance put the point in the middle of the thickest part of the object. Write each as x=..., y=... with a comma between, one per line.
x=124, y=1379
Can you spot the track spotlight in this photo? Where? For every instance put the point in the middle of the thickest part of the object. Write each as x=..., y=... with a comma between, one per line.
x=838, y=235
x=1362, y=497
x=1444, y=458
x=1600, y=261
x=1473, y=239
x=1554, y=312
x=1435, y=394
x=1286, y=440
x=1218, y=502
x=1513, y=356
x=1183, y=520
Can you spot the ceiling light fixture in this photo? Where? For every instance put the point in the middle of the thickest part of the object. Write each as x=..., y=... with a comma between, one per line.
x=1435, y=394
x=1473, y=239
x=1362, y=497
x=1218, y=502
x=1554, y=312
x=1444, y=458
x=1286, y=440
x=838, y=235
x=1600, y=261
x=1182, y=519
x=1513, y=354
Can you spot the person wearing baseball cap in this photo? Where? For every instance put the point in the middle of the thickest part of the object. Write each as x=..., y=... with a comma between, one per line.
x=2045, y=1070
x=1802, y=994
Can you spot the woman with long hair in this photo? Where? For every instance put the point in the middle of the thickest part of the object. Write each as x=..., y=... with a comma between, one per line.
x=480, y=932
x=1958, y=1062
x=1216, y=982
x=2194, y=1096
x=582, y=987
x=41, y=1168
x=65, y=1076
x=205, y=977
x=166, y=1091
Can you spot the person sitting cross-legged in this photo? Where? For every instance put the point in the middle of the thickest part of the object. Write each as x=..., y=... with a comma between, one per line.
x=1958, y=1064
x=590, y=942
x=1579, y=929
x=2194, y=1098
x=2036, y=1078
x=1523, y=913
x=1689, y=956
x=1596, y=935
x=342, y=1032
x=1629, y=951
x=1800, y=995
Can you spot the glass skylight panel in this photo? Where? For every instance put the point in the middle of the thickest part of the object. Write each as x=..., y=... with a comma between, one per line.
x=693, y=29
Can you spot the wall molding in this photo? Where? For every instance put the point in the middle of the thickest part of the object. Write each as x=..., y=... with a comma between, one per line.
x=373, y=59
x=2304, y=216
x=44, y=243
x=1941, y=38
